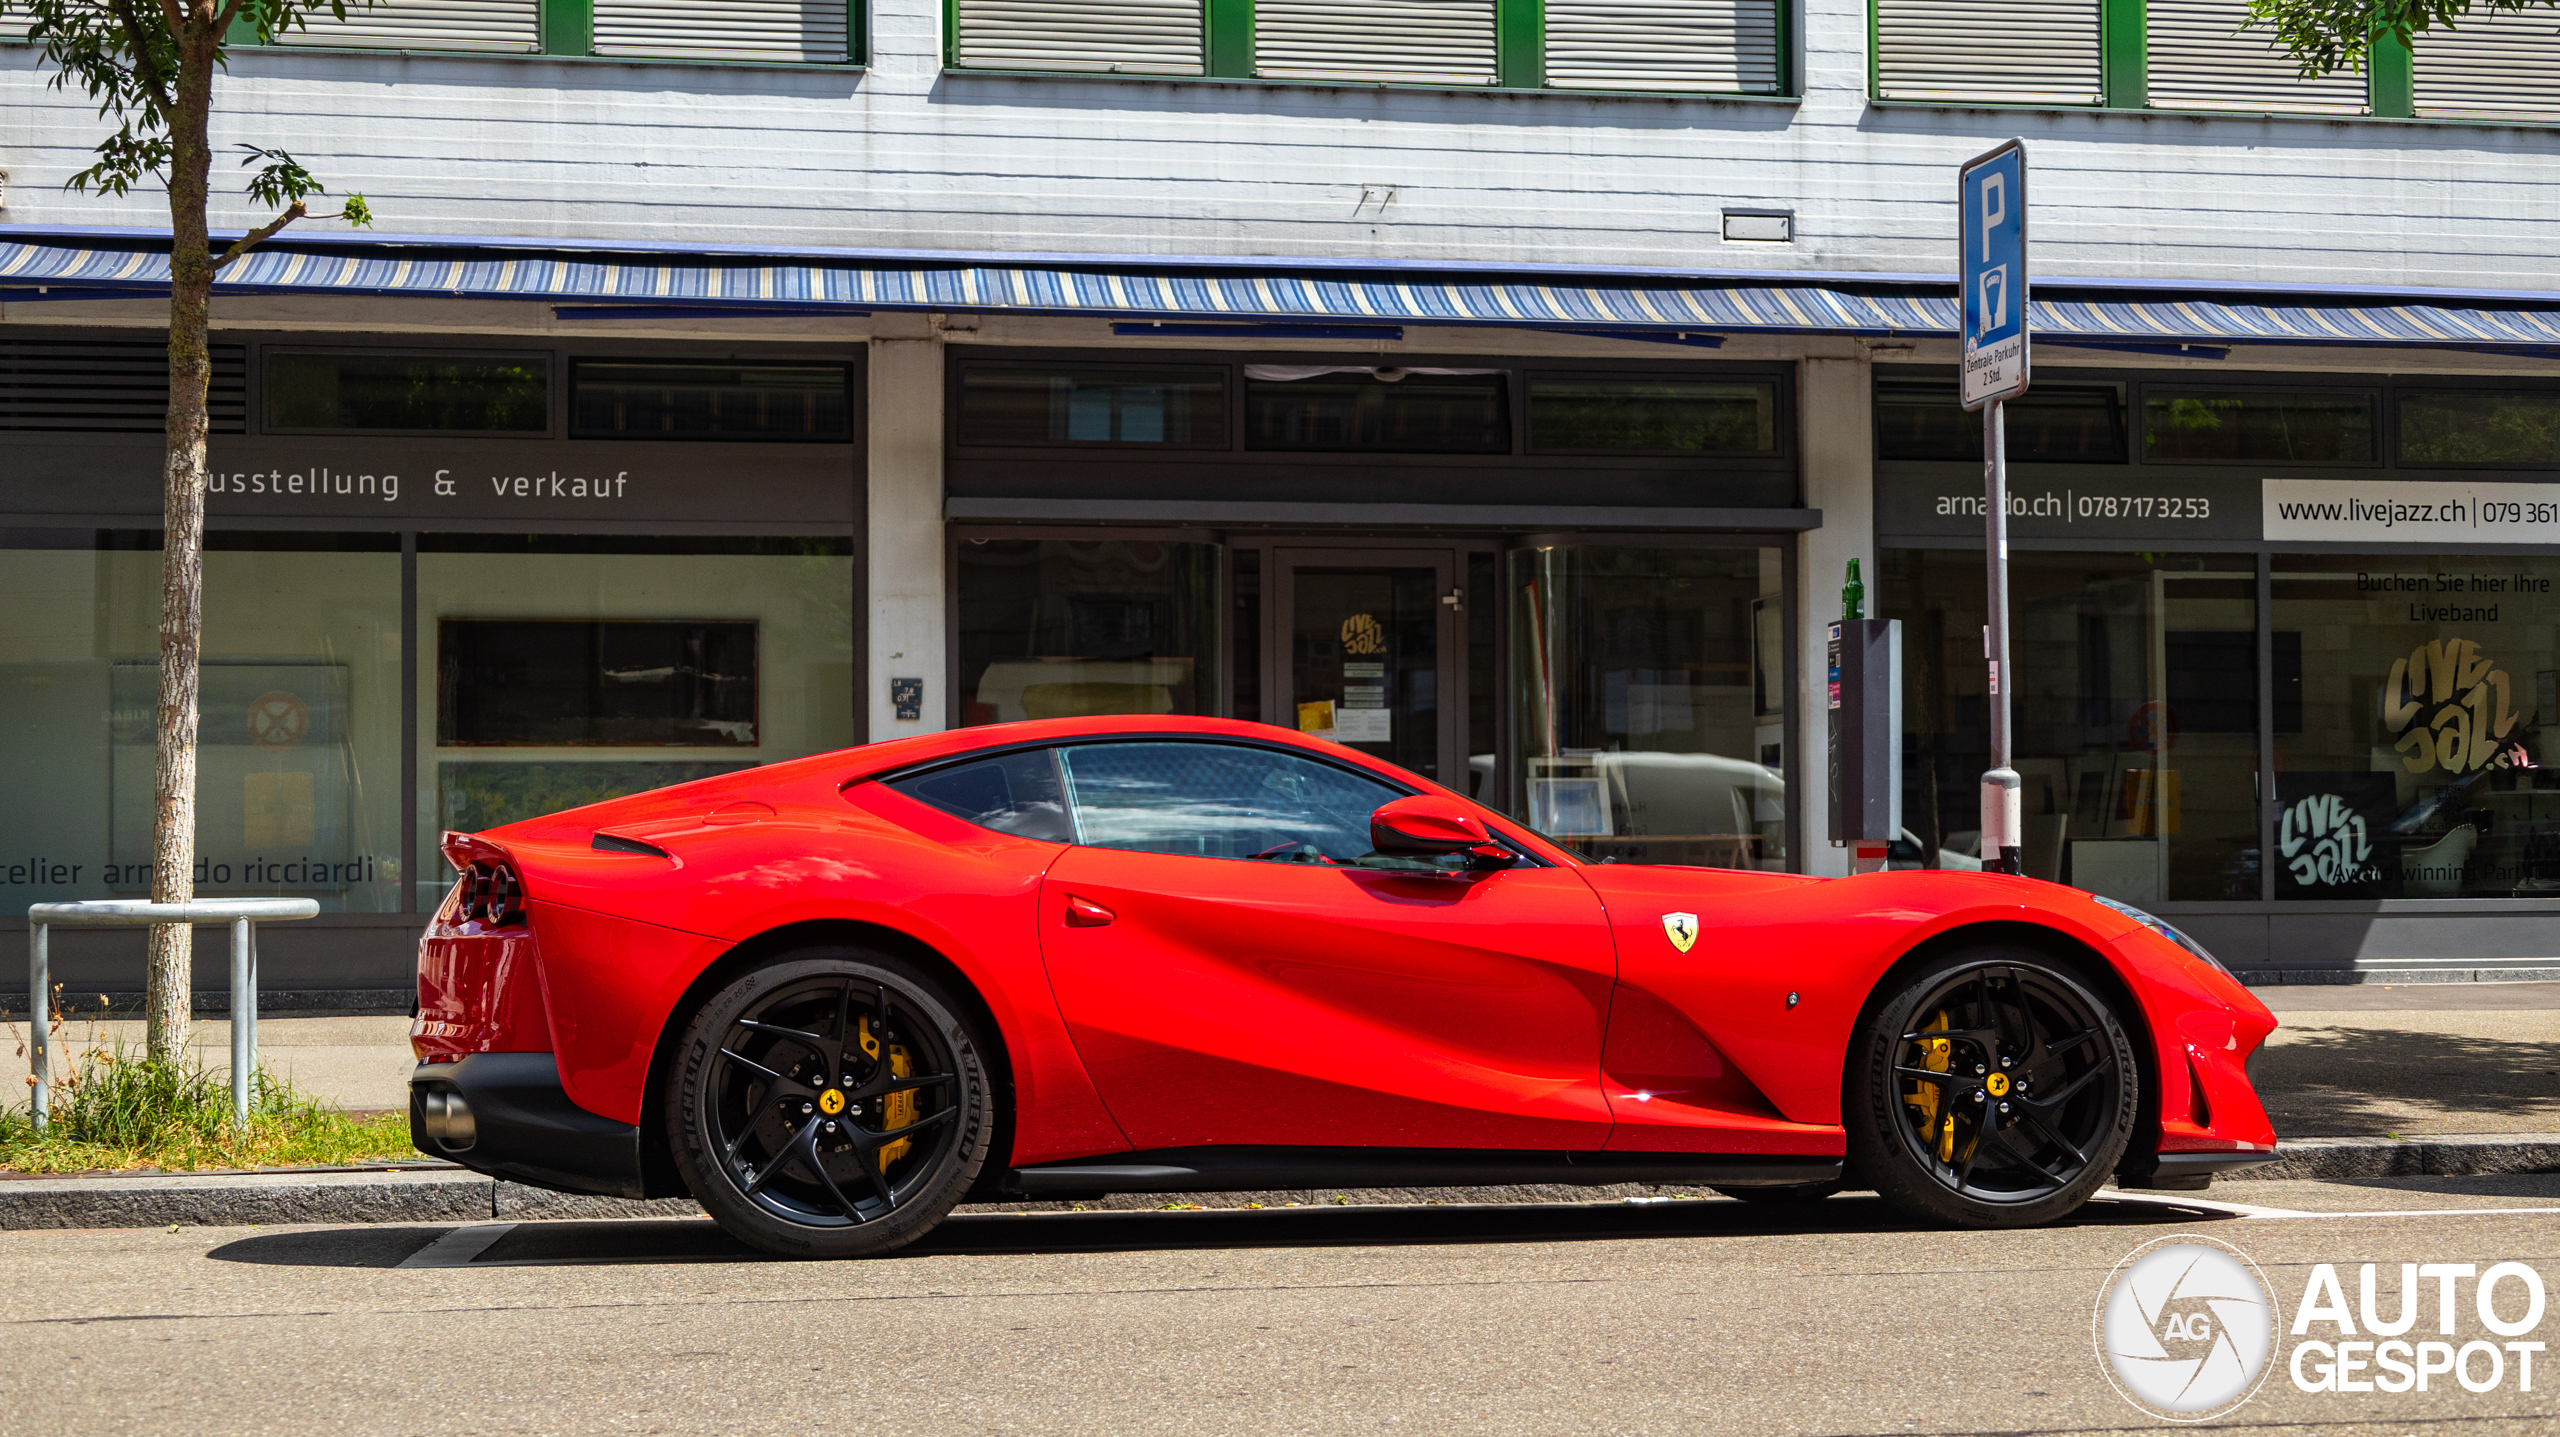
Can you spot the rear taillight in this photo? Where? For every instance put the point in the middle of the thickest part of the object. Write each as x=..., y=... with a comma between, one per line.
x=490, y=892
x=492, y=896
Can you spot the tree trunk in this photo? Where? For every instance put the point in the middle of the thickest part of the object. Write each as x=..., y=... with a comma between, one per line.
x=173, y=820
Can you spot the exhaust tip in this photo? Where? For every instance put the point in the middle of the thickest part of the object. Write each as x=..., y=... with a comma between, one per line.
x=446, y=1118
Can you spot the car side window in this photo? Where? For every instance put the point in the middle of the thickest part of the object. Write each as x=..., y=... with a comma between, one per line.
x=1016, y=793
x=1214, y=800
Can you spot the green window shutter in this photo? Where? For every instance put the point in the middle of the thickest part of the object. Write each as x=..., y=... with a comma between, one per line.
x=1687, y=45
x=1426, y=42
x=2495, y=66
x=1129, y=37
x=568, y=27
x=505, y=26
x=2391, y=79
x=808, y=31
x=2017, y=52
x=2123, y=24
x=1230, y=44
x=2202, y=58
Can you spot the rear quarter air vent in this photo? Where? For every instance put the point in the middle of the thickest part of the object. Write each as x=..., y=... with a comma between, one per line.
x=616, y=843
x=110, y=386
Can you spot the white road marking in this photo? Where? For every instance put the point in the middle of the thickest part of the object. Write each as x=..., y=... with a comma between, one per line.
x=458, y=1247
x=2246, y=1210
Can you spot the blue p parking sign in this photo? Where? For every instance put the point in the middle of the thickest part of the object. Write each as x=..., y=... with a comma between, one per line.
x=1992, y=192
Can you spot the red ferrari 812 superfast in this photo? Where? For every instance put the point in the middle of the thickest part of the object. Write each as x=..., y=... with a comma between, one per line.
x=833, y=998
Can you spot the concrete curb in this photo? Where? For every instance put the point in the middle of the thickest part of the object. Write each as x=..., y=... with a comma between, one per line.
x=453, y=1195
x=2459, y=1155
x=257, y=1199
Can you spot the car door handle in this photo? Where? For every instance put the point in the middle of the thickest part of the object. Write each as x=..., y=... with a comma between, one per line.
x=1085, y=913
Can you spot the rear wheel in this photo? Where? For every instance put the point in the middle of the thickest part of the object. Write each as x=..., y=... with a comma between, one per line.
x=833, y=1104
x=1993, y=1088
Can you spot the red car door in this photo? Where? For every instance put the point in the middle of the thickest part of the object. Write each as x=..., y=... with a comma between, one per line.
x=1228, y=981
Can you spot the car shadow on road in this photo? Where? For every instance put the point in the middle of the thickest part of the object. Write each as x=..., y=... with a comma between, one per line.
x=645, y=1242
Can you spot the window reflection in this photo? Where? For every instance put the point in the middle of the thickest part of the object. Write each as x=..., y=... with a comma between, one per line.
x=2135, y=716
x=2421, y=765
x=1059, y=628
x=1219, y=801
x=1651, y=702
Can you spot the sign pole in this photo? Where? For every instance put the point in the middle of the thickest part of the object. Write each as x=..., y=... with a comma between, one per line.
x=2000, y=806
x=1991, y=198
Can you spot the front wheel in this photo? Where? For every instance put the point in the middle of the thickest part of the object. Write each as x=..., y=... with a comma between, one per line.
x=833, y=1104
x=1992, y=1088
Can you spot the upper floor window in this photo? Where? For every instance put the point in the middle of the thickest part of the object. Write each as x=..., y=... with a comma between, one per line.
x=2044, y=52
x=2049, y=424
x=794, y=31
x=2257, y=426
x=1702, y=46
x=1626, y=414
x=501, y=25
x=2517, y=429
x=1013, y=405
x=1384, y=410
x=415, y=393
x=661, y=399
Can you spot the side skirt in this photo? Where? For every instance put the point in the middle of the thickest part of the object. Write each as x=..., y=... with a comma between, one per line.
x=1244, y=1169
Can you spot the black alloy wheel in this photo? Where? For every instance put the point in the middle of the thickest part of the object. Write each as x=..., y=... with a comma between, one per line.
x=834, y=1104
x=1993, y=1088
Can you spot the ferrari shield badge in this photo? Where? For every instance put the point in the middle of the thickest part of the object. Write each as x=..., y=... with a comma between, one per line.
x=1681, y=929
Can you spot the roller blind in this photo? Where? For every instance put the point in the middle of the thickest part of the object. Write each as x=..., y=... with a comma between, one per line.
x=1432, y=42
x=2202, y=59
x=1130, y=37
x=2495, y=66
x=1663, y=45
x=510, y=26
x=806, y=30
x=2006, y=51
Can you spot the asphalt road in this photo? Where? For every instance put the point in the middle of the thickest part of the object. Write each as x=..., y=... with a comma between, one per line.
x=1676, y=1317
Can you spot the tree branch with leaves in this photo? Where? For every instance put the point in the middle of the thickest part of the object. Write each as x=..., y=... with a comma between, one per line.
x=2326, y=36
x=150, y=66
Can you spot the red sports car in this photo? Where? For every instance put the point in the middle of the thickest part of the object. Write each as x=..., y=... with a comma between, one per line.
x=834, y=997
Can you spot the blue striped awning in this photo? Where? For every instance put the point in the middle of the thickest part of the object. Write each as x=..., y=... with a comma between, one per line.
x=47, y=264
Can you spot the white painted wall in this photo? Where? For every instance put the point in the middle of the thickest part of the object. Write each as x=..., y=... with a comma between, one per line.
x=908, y=617
x=1833, y=402
x=908, y=156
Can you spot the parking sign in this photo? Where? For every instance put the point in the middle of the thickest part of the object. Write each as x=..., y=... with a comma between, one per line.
x=1991, y=190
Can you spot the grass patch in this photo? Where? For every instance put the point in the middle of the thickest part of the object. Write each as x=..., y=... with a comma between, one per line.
x=112, y=1110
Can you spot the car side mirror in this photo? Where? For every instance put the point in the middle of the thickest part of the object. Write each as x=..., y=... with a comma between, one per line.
x=1429, y=825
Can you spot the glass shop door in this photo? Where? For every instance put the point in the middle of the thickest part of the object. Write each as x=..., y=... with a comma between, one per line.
x=1364, y=644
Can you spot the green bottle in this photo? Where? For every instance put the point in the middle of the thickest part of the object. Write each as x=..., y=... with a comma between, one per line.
x=1853, y=595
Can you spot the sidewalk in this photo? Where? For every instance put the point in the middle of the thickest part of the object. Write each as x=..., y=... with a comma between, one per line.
x=2425, y=1059
x=356, y=1063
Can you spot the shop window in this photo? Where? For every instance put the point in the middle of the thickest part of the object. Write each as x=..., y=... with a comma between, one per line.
x=2260, y=426
x=624, y=683
x=413, y=393
x=2426, y=761
x=2513, y=428
x=1355, y=409
x=1060, y=628
x=623, y=399
x=2135, y=717
x=2049, y=424
x=1002, y=405
x=1646, y=731
x=555, y=671
x=298, y=729
x=1599, y=414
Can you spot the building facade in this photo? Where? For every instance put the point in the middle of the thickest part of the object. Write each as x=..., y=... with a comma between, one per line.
x=1498, y=386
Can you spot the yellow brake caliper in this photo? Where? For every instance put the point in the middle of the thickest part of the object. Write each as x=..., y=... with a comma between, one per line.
x=898, y=1110
x=1936, y=1055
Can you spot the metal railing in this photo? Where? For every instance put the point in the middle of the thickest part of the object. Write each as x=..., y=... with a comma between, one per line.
x=241, y=913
